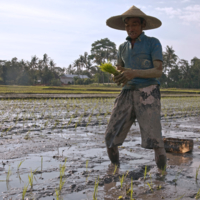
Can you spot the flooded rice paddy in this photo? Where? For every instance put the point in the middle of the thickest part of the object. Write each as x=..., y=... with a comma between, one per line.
x=55, y=149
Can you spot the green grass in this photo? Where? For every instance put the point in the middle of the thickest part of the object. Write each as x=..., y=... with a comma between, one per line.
x=71, y=89
x=110, y=88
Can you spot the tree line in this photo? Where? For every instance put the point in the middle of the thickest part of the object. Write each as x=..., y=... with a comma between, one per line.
x=176, y=72
x=36, y=71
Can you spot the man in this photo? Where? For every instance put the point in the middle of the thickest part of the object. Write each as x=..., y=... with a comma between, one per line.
x=140, y=63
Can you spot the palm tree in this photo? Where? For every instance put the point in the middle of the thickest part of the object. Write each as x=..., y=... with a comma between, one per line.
x=34, y=63
x=77, y=65
x=169, y=59
x=45, y=60
x=52, y=64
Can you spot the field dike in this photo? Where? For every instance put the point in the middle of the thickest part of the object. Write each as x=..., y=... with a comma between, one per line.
x=55, y=149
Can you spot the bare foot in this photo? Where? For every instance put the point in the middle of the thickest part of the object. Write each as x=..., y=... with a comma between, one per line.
x=113, y=154
x=160, y=158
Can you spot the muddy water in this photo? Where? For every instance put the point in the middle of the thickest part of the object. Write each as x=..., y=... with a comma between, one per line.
x=44, y=133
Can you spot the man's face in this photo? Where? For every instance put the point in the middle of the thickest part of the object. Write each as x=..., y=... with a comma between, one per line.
x=133, y=27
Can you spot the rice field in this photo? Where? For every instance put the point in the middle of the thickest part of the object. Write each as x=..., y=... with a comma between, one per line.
x=71, y=113
x=46, y=142
x=107, y=88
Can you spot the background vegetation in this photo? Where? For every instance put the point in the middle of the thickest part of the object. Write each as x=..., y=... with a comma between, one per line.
x=177, y=72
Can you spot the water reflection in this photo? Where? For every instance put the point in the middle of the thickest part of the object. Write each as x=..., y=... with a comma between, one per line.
x=178, y=159
x=112, y=169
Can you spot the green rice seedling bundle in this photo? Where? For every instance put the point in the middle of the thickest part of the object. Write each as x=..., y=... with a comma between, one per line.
x=108, y=67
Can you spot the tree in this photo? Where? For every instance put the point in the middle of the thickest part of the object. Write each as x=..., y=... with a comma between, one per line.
x=169, y=59
x=77, y=65
x=195, y=72
x=52, y=65
x=103, y=51
x=33, y=63
x=45, y=60
x=174, y=77
x=70, y=69
x=28, y=72
x=185, y=69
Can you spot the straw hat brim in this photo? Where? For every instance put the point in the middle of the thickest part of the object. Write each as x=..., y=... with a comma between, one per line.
x=116, y=22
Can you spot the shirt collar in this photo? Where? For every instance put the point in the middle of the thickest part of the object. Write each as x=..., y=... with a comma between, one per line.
x=140, y=38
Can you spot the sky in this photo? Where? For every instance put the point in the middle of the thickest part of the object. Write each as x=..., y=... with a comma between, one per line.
x=65, y=29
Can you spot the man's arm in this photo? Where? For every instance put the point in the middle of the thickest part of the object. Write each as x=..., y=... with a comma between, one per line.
x=128, y=74
x=155, y=72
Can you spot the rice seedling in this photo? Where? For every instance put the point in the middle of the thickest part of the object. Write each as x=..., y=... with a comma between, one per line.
x=46, y=123
x=180, y=197
x=57, y=194
x=9, y=173
x=197, y=195
x=76, y=124
x=163, y=172
x=129, y=191
x=108, y=67
x=122, y=179
x=89, y=119
x=132, y=189
x=95, y=189
x=20, y=165
x=62, y=173
x=150, y=179
x=197, y=173
x=150, y=186
x=41, y=163
x=24, y=191
x=176, y=177
x=30, y=179
x=159, y=187
x=145, y=172
x=87, y=164
x=70, y=120
x=26, y=137
x=115, y=169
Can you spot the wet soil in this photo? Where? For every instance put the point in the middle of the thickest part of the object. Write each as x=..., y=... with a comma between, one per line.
x=43, y=134
x=78, y=95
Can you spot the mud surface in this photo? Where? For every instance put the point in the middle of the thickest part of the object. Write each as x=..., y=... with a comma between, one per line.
x=66, y=96
x=43, y=134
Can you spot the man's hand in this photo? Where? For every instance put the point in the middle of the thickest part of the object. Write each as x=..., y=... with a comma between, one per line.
x=125, y=75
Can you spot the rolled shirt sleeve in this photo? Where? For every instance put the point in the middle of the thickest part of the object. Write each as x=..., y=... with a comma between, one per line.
x=119, y=58
x=156, y=50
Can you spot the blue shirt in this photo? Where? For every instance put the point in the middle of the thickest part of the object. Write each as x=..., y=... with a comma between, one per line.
x=141, y=56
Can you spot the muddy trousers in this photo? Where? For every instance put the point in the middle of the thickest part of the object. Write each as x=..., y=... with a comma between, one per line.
x=142, y=104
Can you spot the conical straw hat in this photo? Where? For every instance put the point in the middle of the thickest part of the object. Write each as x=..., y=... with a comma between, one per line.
x=117, y=22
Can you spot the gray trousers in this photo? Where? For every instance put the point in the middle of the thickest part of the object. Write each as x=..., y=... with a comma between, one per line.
x=142, y=104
